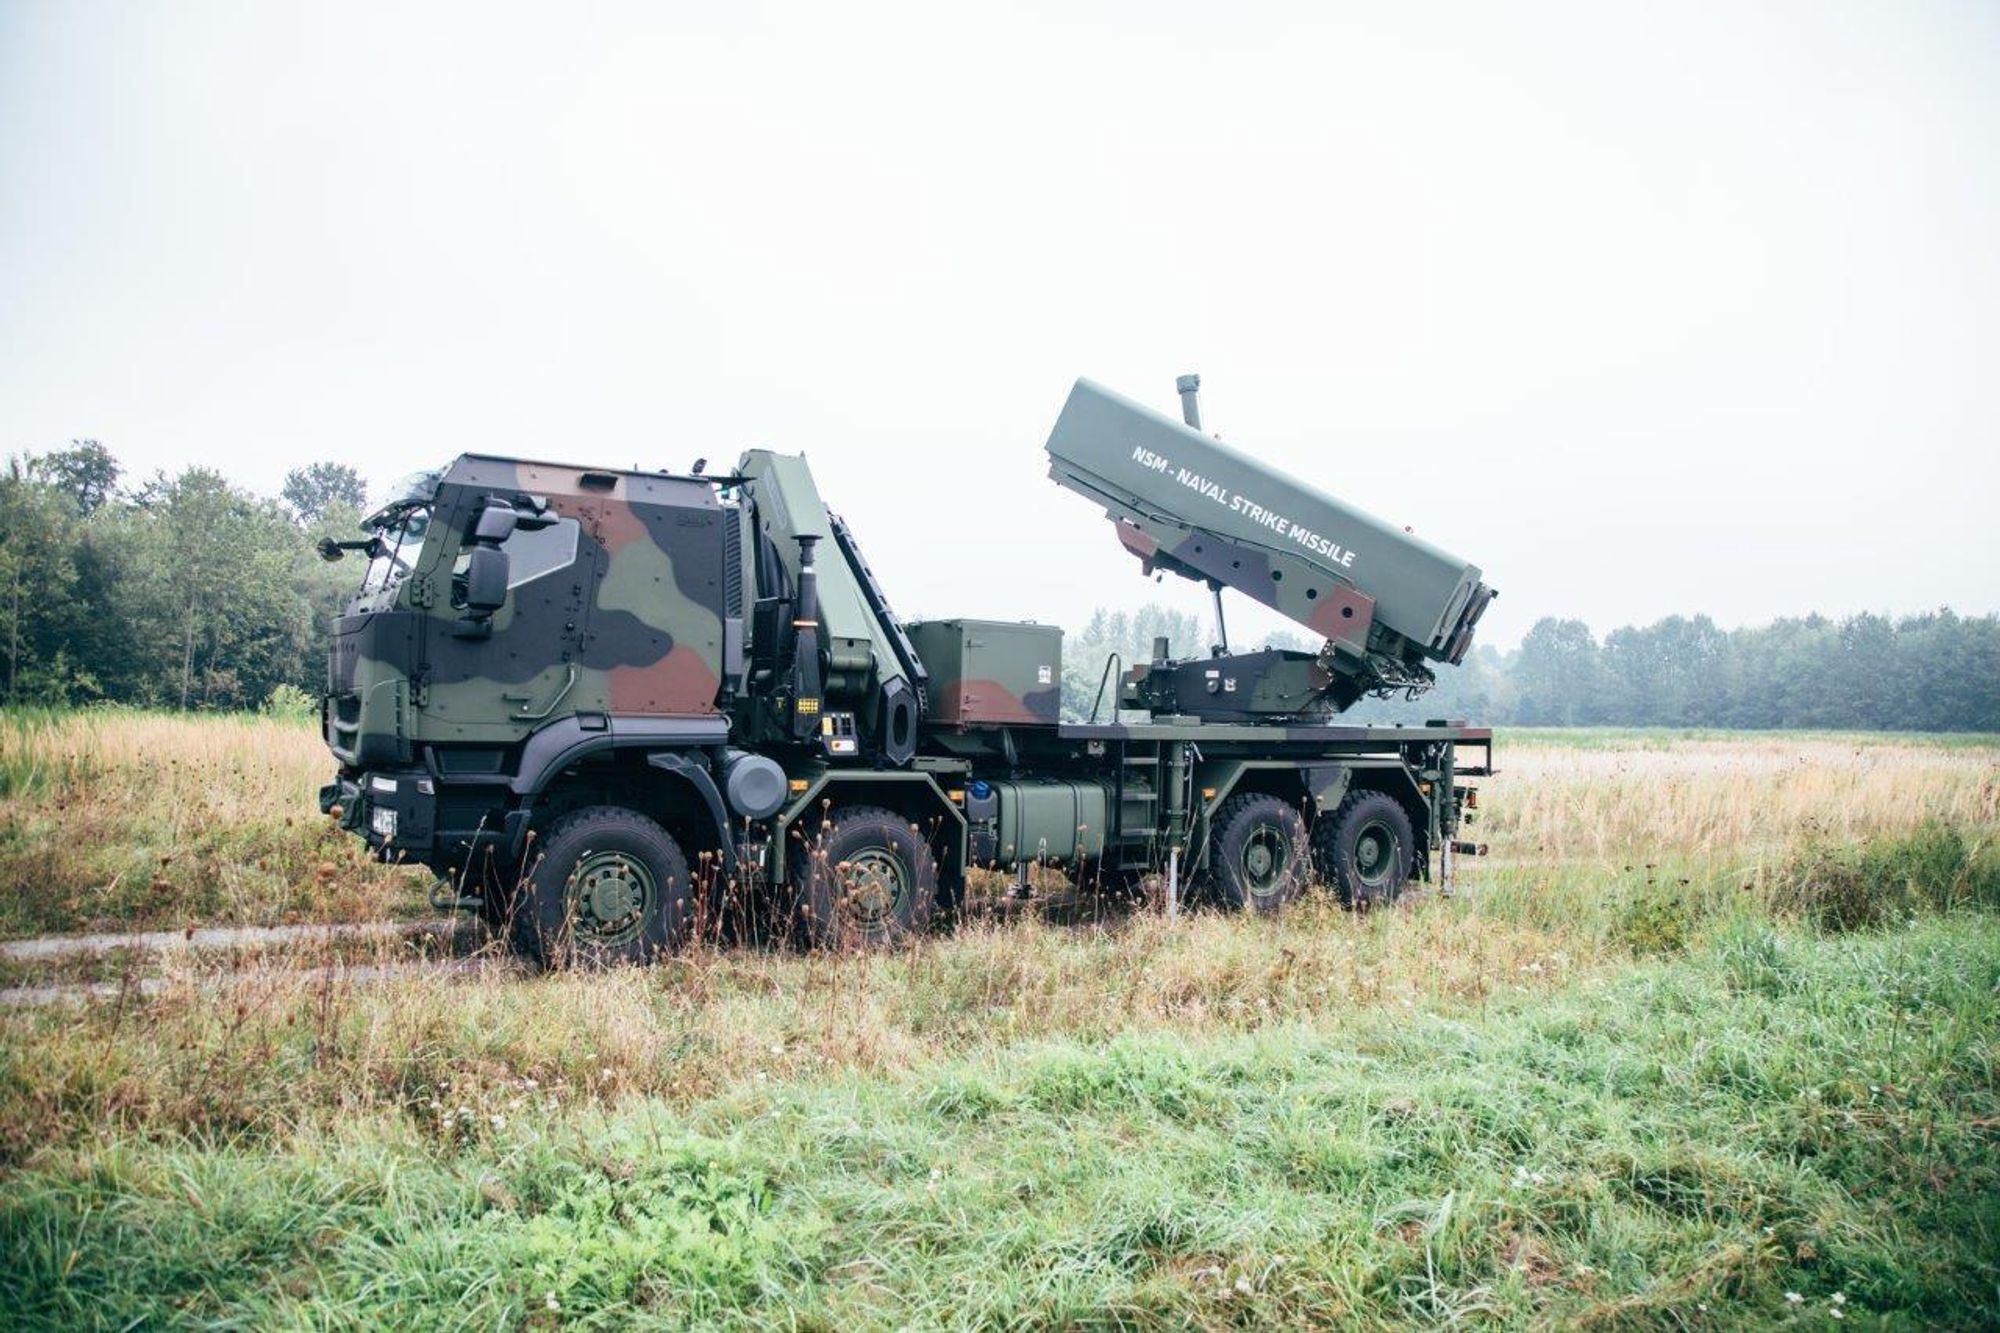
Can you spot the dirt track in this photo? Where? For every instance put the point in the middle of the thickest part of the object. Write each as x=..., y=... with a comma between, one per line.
x=221, y=937
x=230, y=955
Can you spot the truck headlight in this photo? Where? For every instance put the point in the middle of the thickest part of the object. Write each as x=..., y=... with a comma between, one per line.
x=382, y=821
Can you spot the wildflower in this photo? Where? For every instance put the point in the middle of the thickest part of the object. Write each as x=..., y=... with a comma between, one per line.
x=777, y=1048
x=1243, y=1285
x=1837, y=1312
x=1840, y=1298
x=499, y=1122
x=1793, y=1298
x=550, y=1303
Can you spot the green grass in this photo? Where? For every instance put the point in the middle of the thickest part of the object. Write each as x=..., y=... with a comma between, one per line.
x=1719, y=1022
x=1678, y=1146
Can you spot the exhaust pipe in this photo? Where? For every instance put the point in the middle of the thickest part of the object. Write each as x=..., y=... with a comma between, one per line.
x=806, y=682
x=1190, y=387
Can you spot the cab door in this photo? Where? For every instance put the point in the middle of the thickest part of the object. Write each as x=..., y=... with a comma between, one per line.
x=495, y=682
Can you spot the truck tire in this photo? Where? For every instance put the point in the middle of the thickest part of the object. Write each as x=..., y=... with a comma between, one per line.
x=1260, y=859
x=1365, y=849
x=608, y=886
x=868, y=880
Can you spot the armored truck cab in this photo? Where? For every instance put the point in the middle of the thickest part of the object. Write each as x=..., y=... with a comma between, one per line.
x=607, y=707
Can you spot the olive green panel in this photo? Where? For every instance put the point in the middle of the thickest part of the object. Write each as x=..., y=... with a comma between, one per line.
x=789, y=507
x=991, y=672
x=1321, y=781
x=1051, y=821
x=827, y=788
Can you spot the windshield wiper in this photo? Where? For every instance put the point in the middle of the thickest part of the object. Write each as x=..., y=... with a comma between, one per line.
x=331, y=550
x=373, y=546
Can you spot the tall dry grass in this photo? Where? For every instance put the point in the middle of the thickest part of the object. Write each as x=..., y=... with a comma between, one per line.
x=116, y=819
x=1628, y=1073
x=1739, y=794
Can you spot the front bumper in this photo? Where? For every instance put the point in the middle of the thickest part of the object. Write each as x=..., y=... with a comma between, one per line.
x=394, y=812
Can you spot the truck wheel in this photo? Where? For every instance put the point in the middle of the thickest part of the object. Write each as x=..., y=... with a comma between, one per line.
x=868, y=880
x=1364, y=848
x=1260, y=858
x=609, y=886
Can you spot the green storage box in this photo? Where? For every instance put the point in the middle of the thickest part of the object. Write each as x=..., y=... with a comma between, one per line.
x=987, y=673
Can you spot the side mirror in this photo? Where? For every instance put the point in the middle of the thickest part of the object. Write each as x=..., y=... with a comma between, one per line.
x=484, y=587
x=496, y=522
x=330, y=550
x=485, y=581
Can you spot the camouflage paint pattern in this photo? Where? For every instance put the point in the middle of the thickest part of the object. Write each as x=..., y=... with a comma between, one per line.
x=991, y=672
x=642, y=619
x=631, y=625
x=1191, y=505
x=1336, y=611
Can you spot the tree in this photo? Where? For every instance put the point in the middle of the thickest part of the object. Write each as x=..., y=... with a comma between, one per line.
x=1086, y=655
x=310, y=492
x=37, y=534
x=1556, y=675
x=185, y=591
x=85, y=472
x=210, y=593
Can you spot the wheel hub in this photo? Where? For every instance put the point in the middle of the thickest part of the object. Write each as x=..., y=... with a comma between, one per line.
x=1373, y=854
x=1266, y=856
x=872, y=883
x=612, y=892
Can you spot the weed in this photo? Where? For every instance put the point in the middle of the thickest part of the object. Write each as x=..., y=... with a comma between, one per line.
x=1935, y=867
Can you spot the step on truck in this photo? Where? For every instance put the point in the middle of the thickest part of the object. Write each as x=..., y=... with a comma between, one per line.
x=610, y=708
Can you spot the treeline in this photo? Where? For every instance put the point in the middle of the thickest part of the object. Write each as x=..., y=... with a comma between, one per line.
x=188, y=592
x=180, y=591
x=1933, y=672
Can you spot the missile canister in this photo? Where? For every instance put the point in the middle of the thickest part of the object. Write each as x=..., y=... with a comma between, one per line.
x=1185, y=502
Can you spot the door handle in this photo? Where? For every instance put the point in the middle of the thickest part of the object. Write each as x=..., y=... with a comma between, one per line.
x=528, y=715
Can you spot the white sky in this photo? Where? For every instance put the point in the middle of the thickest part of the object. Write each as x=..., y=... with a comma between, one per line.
x=1644, y=308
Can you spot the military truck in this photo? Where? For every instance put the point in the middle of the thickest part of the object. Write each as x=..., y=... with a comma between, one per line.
x=603, y=704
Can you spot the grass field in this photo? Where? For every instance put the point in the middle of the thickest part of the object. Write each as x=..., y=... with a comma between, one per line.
x=1717, y=1026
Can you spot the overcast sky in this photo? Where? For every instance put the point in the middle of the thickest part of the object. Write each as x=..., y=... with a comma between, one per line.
x=1643, y=309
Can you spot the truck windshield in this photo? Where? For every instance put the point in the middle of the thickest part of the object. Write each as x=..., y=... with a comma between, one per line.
x=399, y=533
